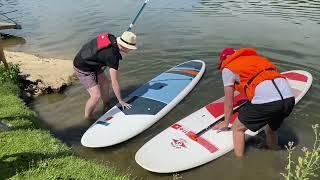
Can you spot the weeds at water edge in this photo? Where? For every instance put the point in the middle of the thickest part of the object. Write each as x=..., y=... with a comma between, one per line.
x=307, y=164
x=176, y=176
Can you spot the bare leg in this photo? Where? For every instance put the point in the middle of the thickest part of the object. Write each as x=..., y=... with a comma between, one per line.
x=271, y=138
x=95, y=96
x=104, y=82
x=238, y=130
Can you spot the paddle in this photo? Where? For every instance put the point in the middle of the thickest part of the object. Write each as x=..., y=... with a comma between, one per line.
x=17, y=26
x=135, y=19
x=194, y=136
x=238, y=104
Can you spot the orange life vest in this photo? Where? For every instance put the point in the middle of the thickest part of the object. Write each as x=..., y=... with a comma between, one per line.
x=252, y=69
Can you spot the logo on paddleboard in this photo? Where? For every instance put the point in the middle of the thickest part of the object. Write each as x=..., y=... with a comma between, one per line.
x=179, y=143
x=109, y=118
x=105, y=122
x=180, y=128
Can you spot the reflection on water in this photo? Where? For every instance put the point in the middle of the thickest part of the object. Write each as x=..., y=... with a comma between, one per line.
x=170, y=32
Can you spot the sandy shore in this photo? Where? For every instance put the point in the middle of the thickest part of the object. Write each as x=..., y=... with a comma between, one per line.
x=45, y=72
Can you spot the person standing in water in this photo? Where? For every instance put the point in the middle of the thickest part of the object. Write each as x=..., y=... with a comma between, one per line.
x=270, y=97
x=2, y=57
x=89, y=64
x=3, y=126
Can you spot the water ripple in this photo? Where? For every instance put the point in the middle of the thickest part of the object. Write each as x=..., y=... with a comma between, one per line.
x=303, y=10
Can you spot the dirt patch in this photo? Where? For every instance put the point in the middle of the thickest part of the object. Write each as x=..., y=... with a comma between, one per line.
x=42, y=75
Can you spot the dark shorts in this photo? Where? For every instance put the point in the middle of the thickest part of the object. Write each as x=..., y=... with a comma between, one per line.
x=256, y=116
x=88, y=79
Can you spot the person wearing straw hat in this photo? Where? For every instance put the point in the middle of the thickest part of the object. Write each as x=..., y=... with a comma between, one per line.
x=89, y=64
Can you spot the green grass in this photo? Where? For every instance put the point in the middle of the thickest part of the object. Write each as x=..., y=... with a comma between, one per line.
x=30, y=152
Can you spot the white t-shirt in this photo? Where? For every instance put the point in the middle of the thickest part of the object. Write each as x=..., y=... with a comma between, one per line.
x=265, y=91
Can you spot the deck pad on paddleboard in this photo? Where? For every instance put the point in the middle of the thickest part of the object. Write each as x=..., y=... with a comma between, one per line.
x=149, y=103
x=191, y=142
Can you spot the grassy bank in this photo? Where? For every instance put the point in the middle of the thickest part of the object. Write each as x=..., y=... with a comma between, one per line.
x=29, y=152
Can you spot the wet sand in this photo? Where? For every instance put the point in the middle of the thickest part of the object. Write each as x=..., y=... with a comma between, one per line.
x=50, y=72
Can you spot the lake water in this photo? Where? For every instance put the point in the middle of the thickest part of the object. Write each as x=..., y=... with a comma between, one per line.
x=170, y=32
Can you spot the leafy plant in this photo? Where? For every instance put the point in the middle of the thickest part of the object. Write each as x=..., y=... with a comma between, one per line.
x=9, y=75
x=307, y=164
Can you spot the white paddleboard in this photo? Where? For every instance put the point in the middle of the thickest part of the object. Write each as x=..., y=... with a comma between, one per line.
x=149, y=103
x=175, y=149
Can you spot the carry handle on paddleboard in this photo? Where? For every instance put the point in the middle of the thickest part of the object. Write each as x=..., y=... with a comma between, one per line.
x=194, y=136
x=135, y=19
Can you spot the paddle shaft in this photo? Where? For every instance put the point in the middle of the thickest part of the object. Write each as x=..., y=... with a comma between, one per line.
x=18, y=26
x=135, y=19
x=198, y=134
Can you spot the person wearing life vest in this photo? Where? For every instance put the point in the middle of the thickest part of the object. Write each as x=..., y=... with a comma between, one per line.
x=270, y=99
x=89, y=64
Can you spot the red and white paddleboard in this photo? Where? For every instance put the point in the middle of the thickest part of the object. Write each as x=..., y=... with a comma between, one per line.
x=191, y=142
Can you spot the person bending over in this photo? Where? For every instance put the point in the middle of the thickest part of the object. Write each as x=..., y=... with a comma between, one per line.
x=89, y=64
x=270, y=97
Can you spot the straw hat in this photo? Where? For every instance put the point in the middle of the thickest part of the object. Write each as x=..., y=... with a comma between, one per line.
x=127, y=40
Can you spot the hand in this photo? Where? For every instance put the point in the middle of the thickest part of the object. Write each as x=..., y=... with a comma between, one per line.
x=125, y=105
x=222, y=126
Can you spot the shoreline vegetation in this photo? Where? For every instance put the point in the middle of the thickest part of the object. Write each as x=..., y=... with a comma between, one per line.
x=28, y=151
x=307, y=164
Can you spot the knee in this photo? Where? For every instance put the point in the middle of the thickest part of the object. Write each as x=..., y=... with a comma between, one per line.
x=95, y=97
x=238, y=126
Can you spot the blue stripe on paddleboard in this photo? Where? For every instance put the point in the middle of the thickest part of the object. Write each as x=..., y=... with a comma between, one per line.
x=164, y=87
x=103, y=123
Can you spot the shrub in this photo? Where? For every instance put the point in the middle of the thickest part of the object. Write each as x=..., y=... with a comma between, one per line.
x=9, y=75
x=307, y=164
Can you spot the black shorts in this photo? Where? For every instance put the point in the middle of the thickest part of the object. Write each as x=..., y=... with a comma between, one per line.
x=255, y=116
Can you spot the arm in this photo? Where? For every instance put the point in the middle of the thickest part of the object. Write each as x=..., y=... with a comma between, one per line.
x=228, y=109
x=228, y=103
x=228, y=78
x=115, y=84
x=116, y=87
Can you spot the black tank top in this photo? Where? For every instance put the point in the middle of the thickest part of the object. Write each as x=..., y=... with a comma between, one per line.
x=90, y=59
